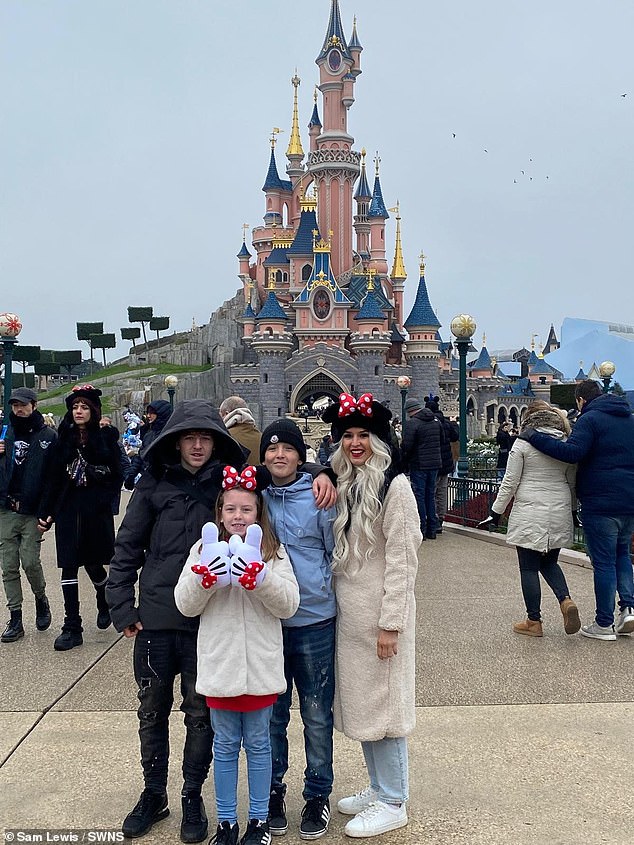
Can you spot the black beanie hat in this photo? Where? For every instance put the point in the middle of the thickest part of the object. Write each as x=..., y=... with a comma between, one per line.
x=377, y=422
x=283, y=431
x=88, y=394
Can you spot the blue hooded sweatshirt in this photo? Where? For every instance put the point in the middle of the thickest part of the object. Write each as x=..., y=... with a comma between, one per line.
x=602, y=444
x=306, y=533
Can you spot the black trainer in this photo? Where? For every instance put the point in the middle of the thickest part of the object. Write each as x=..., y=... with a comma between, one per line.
x=14, y=629
x=315, y=818
x=257, y=833
x=278, y=823
x=69, y=638
x=103, y=619
x=226, y=834
x=150, y=808
x=194, y=825
x=42, y=614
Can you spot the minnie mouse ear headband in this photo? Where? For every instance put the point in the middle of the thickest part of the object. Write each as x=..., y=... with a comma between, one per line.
x=363, y=412
x=88, y=394
x=253, y=479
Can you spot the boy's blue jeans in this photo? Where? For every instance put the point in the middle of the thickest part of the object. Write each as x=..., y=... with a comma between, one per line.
x=231, y=730
x=309, y=663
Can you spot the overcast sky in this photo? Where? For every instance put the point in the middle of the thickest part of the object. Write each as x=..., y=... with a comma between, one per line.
x=134, y=145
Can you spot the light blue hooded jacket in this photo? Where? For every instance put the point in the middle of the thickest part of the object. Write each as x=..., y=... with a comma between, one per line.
x=306, y=533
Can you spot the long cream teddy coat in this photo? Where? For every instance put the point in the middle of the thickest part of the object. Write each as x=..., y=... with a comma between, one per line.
x=376, y=698
x=240, y=649
x=544, y=491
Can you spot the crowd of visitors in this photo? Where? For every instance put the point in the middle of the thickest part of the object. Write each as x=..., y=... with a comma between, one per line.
x=247, y=572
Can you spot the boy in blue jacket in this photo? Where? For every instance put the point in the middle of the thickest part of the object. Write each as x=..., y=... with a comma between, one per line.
x=309, y=635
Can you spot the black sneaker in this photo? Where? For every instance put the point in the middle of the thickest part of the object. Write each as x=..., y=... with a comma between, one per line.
x=257, y=833
x=315, y=818
x=150, y=808
x=42, y=614
x=69, y=638
x=194, y=825
x=103, y=619
x=226, y=834
x=278, y=824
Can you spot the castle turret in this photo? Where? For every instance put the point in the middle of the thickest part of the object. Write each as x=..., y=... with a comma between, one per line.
x=355, y=49
x=377, y=215
x=294, y=151
x=422, y=347
x=362, y=196
x=482, y=367
x=371, y=341
x=398, y=274
x=314, y=127
x=272, y=343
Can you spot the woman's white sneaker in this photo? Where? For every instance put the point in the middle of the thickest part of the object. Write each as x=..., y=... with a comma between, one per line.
x=354, y=804
x=377, y=818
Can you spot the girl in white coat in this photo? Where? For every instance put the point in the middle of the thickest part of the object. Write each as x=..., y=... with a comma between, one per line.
x=241, y=589
x=541, y=521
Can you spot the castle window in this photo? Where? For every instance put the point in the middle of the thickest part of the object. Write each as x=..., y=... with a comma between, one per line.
x=265, y=378
x=376, y=371
x=306, y=271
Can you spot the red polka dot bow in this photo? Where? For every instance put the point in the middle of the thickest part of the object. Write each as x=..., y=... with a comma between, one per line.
x=209, y=578
x=348, y=404
x=251, y=572
x=232, y=478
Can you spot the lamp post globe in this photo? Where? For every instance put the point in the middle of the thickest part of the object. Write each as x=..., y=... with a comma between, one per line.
x=10, y=328
x=171, y=383
x=403, y=383
x=462, y=327
x=606, y=371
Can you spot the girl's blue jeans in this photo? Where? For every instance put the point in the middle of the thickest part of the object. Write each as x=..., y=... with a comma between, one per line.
x=231, y=730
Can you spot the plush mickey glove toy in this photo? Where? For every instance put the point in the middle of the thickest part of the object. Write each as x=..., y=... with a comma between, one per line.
x=247, y=567
x=214, y=569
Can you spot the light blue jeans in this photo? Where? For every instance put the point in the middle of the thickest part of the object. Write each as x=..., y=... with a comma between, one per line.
x=231, y=730
x=388, y=768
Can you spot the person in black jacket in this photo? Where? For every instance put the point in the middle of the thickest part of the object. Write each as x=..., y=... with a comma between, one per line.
x=26, y=447
x=85, y=476
x=449, y=434
x=505, y=442
x=421, y=453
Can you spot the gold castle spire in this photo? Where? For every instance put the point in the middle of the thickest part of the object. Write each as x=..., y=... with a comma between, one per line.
x=370, y=273
x=398, y=268
x=295, y=142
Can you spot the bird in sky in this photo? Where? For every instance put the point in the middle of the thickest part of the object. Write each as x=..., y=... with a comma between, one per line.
x=515, y=181
x=453, y=134
x=623, y=95
x=486, y=151
x=522, y=172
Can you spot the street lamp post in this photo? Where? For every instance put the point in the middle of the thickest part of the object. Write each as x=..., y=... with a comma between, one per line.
x=462, y=327
x=404, y=383
x=10, y=328
x=606, y=371
x=171, y=383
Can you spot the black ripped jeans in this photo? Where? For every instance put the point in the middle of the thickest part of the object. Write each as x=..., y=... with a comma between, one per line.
x=159, y=656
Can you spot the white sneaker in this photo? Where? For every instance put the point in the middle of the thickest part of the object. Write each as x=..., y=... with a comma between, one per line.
x=597, y=632
x=356, y=803
x=625, y=621
x=378, y=817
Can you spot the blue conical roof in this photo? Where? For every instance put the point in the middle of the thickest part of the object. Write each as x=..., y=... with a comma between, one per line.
x=272, y=310
x=273, y=181
x=244, y=252
x=422, y=314
x=355, y=44
x=370, y=310
x=314, y=118
x=532, y=359
x=249, y=313
x=303, y=240
x=334, y=33
x=363, y=189
x=581, y=376
x=483, y=361
x=377, y=206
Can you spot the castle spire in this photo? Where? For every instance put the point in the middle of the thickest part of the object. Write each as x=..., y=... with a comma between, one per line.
x=355, y=44
x=363, y=189
x=295, y=142
x=314, y=118
x=422, y=314
x=334, y=33
x=398, y=268
x=377, y=206
x=273, y=181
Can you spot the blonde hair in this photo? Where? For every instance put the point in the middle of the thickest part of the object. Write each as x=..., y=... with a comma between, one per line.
x=270, y=543
x=359, y=502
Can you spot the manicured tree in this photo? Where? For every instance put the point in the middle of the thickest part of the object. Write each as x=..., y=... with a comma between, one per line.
x=141, y=315
x=67, y=358
x=132, y=334
x=85, y=331
x=159, y=324
x=26, y=355
x=103, y=342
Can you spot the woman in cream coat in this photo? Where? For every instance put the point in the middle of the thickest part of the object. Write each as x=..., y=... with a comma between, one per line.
x=541, y=521
x=375, y=560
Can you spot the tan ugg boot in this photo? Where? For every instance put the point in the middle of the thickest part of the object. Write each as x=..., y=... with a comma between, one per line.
x=569, y=611
x=529, y=628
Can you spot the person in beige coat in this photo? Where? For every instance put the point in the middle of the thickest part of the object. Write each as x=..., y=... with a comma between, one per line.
x=541, y=521
x=377, y=537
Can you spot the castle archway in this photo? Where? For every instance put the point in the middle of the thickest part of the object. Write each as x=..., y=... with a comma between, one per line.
x=318, y=385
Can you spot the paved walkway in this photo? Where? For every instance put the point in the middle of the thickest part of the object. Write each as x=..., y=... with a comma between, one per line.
x=519, y=741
